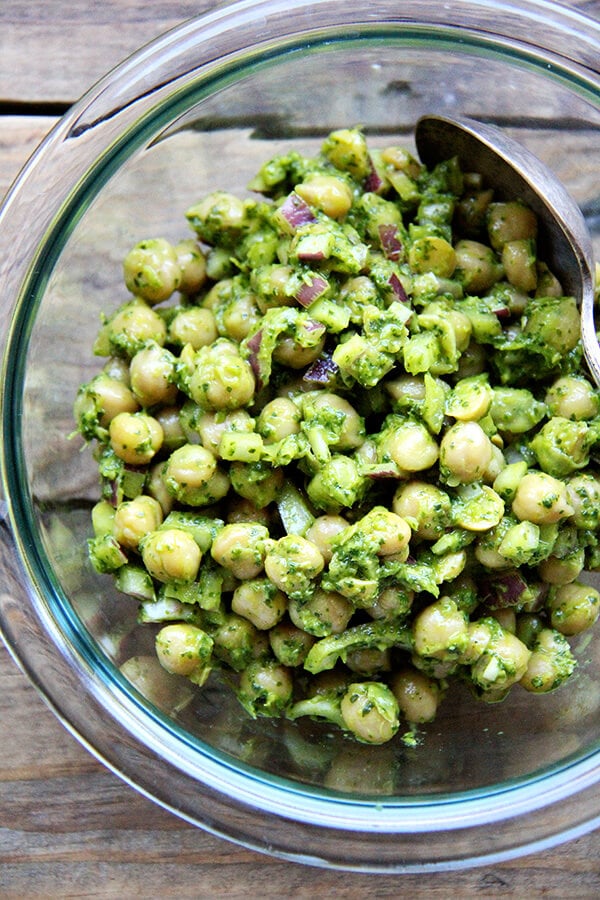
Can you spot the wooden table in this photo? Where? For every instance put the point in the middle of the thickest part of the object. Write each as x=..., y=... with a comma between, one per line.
x=68, y=827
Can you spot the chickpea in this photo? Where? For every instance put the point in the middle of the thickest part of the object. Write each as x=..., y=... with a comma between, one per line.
x=465, y=452
x=389, y=531
x=169, y=420
x=157, y=488
x=260, y=602
x=152, y=372
x=238, y=317
x=241, y=510
x=529, y=626
x=323, y=530
x=171, y=554
x=219, y=295
x=238, y=642
x=184, y=649
x=406, y=390
x=221, y=379
x=550, y=663
x=432, y=254
x=417, y=694
x=399, y=158
x=136, y=518
x=519, y=263
x=391, y=602
x=370, y=712
x=131, y=327
x=469, y=400
x=217, y=215
x=496, y=466
x=369, y=661
x=118, y=368
x=241, y=548
x=548, y=284
x=192, y=266
x=471, y=210
x=506, y=618
x=553, y=570
x=349, y=429
x=273, y=285
x=188, y=469
x=330, y=194
x=290, y=644
x=322, y=614
x=555, y=321
x=472, y=361
x=440, y=630
x=574, y=607
x=502, y=664
x=347, y=150
x=541, y=499
x=292, y=563
x=135, y=437
x=258, y=482
x=192, y=325
x=477, y=267
x=425, y=507
x=487, y=546
x=113, y=397
x=583, y=492
x=288, y=352
x=152, y=270
x=266, y=688
x=410, y=446
x=211, y=426
x=338, y=483
x=572, y=397
x=479, y=635
x=509, y=222
x=278, y=419
x=99, y=401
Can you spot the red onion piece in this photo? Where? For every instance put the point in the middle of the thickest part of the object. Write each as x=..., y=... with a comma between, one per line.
x=253, y=345
x=373, y=182
x=114, y=493
x=311, y=256
x=312, y=325
x=390, y=242
x=322, y=371
x=296, y=211
x=398, y=288
x=311, y=291
x=377, y=473
x=506, y=589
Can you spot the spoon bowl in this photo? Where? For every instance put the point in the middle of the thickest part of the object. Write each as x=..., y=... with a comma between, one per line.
x=516, y=173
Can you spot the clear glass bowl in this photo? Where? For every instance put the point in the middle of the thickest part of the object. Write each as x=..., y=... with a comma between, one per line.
x=199, y=109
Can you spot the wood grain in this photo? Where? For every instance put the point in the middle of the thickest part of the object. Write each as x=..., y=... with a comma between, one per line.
x=69, y=828
x=53, y=51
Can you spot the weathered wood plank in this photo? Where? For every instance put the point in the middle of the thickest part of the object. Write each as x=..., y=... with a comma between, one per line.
x=53, y=51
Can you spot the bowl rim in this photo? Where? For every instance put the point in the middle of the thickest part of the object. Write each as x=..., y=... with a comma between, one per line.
x=104, y=107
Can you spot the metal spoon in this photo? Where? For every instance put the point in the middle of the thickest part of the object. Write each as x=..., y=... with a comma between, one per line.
x=516, y=173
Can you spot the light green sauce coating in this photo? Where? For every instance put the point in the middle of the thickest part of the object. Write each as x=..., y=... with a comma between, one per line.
x=346, y=430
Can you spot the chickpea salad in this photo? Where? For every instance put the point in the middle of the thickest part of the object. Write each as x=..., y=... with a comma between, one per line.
x=347, y=445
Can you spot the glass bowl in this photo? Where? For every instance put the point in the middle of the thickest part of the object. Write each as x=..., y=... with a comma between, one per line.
x=196, y=110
